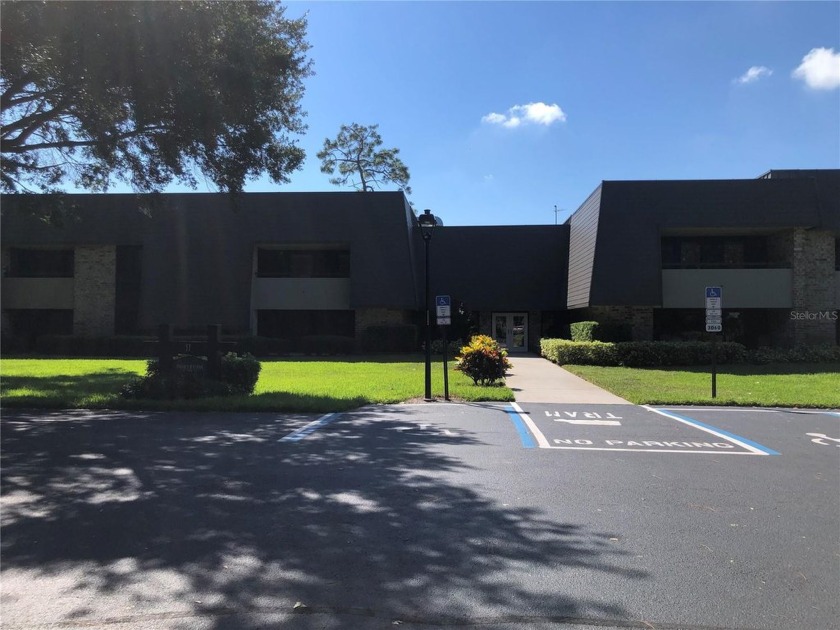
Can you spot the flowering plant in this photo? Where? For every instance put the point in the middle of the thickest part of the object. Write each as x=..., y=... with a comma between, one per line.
x=483, y=360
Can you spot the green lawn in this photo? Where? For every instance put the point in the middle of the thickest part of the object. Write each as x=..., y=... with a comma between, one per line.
x=779, y=385
x=311, y=385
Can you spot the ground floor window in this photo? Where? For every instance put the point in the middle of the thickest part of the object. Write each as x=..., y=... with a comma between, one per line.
x=305, y=323
x=752, y=327
x=26, y=325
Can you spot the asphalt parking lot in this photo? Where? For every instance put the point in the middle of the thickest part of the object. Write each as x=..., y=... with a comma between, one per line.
x=579, y=516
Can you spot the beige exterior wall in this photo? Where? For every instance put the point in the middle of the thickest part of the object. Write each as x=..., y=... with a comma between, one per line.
x=317, y=294
x=742, y=288
x=94, y=290
x=837, y=289
x=38, y=293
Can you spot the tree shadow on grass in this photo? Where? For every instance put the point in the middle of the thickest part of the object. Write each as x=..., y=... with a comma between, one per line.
x=62, y=390
x=214, y=517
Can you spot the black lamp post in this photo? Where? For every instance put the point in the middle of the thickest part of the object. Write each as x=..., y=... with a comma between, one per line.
x=427, y=223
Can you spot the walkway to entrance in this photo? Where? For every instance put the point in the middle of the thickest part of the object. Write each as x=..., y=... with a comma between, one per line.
x=534, y=379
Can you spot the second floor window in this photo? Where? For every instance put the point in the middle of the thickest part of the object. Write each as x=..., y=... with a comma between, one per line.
x=303, y=263
x=718, y=252
x=40, y=263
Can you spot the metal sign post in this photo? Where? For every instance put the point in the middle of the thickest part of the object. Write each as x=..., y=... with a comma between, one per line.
x=443, y=306
x=714, y=324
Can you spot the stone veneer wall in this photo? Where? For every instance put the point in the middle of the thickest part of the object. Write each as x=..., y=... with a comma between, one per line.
x=94, y=290
x=640, y=318
x=813, y=287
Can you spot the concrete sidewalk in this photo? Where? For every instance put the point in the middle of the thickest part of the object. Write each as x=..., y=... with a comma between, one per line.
x=534, y=379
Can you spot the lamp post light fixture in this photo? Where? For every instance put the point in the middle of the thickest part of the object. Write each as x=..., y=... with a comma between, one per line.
x=427, y=222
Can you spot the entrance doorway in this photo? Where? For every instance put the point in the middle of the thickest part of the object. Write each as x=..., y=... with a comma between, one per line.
x=510, y=330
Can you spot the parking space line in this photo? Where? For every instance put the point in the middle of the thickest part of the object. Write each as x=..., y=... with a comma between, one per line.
x=304, y=431
x=523, y=417
x=524, y=435
x=751, y=446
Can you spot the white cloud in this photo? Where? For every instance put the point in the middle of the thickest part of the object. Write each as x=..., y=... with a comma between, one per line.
x=820, y=69
x=530, y=114
x=754, y=74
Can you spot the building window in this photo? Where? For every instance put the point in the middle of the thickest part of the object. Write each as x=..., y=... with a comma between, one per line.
x=29, y=324
x=303, y=263
x=40, y=263
x=718, y=252
x=304, y=323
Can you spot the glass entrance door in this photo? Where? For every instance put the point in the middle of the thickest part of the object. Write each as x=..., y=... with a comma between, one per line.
x=510, y=330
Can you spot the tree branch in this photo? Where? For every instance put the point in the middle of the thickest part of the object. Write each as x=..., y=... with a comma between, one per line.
x=68, y=144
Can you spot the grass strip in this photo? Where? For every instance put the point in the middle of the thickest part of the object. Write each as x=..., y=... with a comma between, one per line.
x=299, y=385
x=814, y=385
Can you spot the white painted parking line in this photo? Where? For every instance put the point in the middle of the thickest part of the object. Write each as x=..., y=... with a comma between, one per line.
x=538, y=435
x=731, y=409
x=304, y=431
x=751, y=446
x=633, y=429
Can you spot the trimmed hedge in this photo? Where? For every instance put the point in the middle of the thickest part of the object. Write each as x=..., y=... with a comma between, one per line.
x=453, y=348
x=325, y=344
x=583, y=331
x=673, y=353
x=639, y=353
x=264, y=346
x=375, y=339
x=600, y=331
x=800, y=354
x=116, y=346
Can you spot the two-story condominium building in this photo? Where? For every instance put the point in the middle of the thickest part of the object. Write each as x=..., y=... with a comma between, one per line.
x=290, y=265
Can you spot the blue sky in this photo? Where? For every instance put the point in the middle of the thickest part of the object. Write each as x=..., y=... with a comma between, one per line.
x=626, y=90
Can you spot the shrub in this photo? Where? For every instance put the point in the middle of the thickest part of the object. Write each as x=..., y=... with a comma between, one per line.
x=483, y=360
x=238, y=376
x=600, y=331
x=240, y=372
x=799, y=354
x=583, y=331
x=639, y=353
x=326, y=344
x=113, y=346
x=396, y=338
x=452, y=348
x=263, y=346
x=563, y=351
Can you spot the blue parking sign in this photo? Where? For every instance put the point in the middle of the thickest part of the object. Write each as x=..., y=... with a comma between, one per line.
x=443, y=300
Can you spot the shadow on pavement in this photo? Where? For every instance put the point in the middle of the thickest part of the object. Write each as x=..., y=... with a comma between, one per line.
x=208, y=514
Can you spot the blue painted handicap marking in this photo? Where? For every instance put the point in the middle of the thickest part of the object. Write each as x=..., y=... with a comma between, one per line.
x=521, y=429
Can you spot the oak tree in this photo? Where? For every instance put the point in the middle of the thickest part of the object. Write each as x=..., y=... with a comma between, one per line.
x=149, y=93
